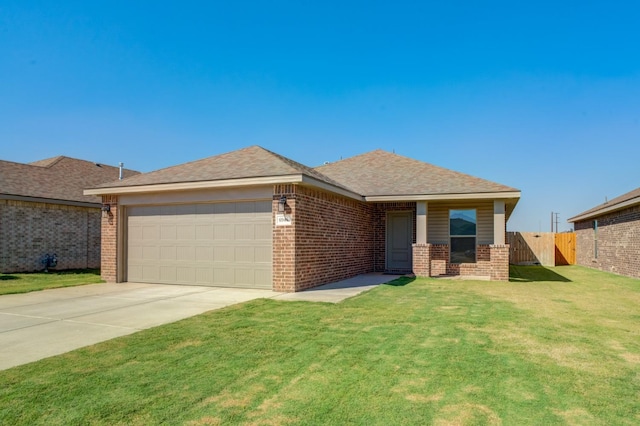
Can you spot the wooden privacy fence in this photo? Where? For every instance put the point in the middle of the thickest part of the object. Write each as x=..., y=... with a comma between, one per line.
x=565, y=248
x=541, y=248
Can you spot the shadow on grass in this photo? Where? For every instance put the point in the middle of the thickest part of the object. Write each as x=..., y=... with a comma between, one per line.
x=8, y=277
x=400, y=282
x=529, y=274
x=75, y=271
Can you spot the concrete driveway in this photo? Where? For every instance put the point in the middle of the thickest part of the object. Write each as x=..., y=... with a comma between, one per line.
x=51, y=322
x=45, y=323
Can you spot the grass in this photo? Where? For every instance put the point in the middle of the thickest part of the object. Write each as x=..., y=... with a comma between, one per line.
x=554, y=346
x=24, y=283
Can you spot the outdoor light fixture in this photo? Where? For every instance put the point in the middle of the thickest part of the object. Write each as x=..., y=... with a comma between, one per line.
x=106, y=208
x=282, y=203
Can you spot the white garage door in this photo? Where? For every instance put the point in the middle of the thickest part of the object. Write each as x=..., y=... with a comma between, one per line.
x=221, y=244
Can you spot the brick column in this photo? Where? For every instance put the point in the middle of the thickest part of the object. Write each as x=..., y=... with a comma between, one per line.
x=422, y=260
x=284, y=242
x=109, y=240
x=499, y=262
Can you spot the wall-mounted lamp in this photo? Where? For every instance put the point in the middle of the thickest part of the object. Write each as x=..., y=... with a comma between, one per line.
x=106, y=208
x=282, y=203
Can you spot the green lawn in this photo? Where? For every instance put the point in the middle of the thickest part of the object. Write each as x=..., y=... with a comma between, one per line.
x=24, y=283
x=564, y=350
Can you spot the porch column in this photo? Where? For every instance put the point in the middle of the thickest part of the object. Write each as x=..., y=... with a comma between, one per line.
x=498, y=222
x=421, y=222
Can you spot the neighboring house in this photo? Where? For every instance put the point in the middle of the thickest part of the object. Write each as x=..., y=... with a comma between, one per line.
x=43, y=211
x=253, y=218
x=608, y=236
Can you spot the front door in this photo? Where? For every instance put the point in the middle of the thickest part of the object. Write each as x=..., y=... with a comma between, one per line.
x=399, y=240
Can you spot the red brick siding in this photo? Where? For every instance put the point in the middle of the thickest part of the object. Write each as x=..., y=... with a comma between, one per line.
x=422, y=260
x=380, y=228
x=618, y=242
x=330, y=239
x=109, y=255
x=433, y=260
x=29, y=230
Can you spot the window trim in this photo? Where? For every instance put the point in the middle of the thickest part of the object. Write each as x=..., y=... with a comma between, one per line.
x=474, y=236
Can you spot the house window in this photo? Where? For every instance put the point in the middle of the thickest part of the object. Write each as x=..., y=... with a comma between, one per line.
x=595, y=239
x=462, y=235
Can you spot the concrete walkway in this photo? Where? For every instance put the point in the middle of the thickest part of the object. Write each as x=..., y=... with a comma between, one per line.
x=51, y=322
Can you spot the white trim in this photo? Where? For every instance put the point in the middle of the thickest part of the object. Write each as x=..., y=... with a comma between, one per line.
x=615, y=207
x=269, y=180
x=433, y=197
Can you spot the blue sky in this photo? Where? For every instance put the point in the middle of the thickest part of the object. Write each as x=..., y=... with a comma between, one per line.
x=542, y=96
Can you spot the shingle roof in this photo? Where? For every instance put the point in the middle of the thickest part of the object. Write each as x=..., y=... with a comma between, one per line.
x=251, y=162
x=625, y=200
x=381, y=173
x=57, y=178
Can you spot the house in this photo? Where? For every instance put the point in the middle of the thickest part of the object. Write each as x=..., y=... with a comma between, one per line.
x=43, y=211
x=253, y=218
x=608, y=235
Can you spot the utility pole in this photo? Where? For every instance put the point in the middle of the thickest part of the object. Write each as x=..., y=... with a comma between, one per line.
x=554, y=219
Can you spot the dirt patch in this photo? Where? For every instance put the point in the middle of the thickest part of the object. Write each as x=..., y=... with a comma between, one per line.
x=465, y=414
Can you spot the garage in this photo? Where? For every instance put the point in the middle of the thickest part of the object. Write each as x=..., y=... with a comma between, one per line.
x=225, y=244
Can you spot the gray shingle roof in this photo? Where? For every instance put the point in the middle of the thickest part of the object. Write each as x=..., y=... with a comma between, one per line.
x=609, y=205
x=251, y=162
x=381, y=173
x=57, y=178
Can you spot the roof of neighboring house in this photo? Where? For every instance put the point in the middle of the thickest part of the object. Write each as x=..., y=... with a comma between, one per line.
x=58, y=178
x=629, y=199
x=381, y=173
x=246, y=163
x=377, y=173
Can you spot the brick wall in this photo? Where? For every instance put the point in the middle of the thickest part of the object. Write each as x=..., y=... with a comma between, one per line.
x=30, y=230
x=330, y=239
x=433, y=260
x=109, y=254
x=380, y=228
x=618, y=243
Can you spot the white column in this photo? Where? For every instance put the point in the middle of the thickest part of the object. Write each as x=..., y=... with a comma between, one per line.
x=498, y=222
x=421, y=222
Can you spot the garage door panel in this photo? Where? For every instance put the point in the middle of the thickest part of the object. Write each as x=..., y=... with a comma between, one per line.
x=185, y=275
x=168, y=274
x=263, y=255
x=219, y=244
x=168, y=253
x=186, y=232
x=204, y=232
x=185, y=253
x=204, y=254
x=244, y=231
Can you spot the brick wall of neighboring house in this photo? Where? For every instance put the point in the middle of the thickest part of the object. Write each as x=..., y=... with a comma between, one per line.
x=330, y=239
x=618, y=242
x=109, y=255
x=380, y=228
x=29, y=230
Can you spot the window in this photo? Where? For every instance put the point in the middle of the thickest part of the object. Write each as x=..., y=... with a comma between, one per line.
x=595, y=239
x=462, y=235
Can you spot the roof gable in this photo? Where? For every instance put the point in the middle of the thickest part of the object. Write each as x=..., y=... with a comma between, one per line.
x=251, y=162
x=623, y=201
x=381, y=173
x=58, y=178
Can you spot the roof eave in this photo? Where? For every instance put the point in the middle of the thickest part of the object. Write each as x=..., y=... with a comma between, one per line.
x=224, y=183
x=609, y=209
x=30, y=199
x=439, y=197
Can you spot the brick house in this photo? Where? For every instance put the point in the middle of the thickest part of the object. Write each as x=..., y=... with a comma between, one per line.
x=43, y=211
x=253, y=218
x=608, y=235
